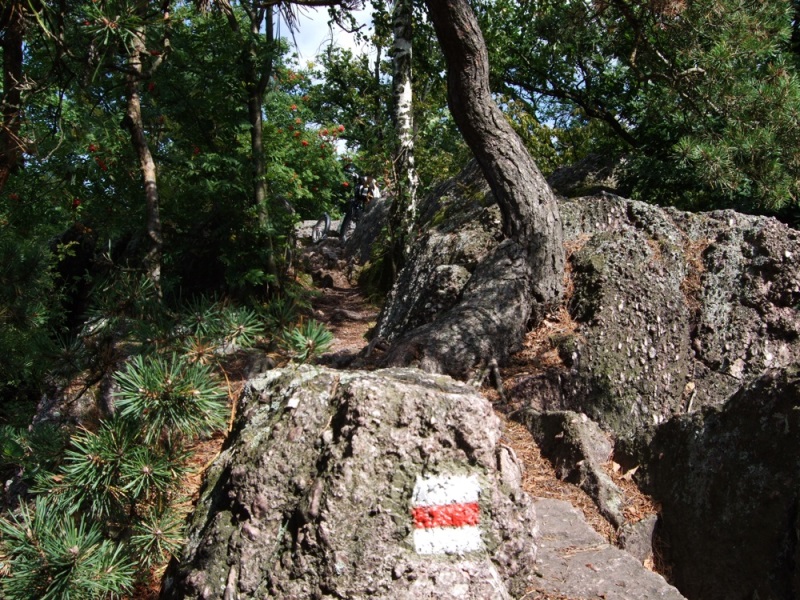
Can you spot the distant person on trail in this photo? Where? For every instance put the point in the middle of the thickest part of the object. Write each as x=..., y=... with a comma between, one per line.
x=366, y=190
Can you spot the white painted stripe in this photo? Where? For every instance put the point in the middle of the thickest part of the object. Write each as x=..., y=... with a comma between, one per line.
x=448, y=540
x=445, y=489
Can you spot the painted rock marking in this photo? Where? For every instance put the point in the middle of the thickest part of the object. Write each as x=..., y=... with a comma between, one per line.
x=446, y=514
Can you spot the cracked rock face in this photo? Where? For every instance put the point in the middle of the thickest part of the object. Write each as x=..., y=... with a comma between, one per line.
x=676, y=310
x=385, y=484
x=728, y=480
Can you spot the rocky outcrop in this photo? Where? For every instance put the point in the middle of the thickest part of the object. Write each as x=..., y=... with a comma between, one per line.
x=728, y=478
x=683, y=334
x=682, y=341
x=674, y=310
x=388, y=484
x=460, y=225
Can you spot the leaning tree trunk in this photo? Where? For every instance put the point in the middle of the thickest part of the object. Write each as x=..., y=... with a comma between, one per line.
x=515, y=285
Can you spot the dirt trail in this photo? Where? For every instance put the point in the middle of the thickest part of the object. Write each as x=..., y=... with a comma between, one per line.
x=350, y=316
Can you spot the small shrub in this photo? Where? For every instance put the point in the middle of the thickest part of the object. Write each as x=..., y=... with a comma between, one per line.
x=307, y=341
x=170, y=396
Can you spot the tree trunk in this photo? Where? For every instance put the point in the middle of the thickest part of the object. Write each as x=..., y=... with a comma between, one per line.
x=133, y=122
x=404, y=205
x=10, y=143
x=522, y=278
x=257, y=80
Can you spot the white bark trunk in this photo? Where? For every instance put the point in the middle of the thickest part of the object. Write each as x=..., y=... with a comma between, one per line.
x=405, y=201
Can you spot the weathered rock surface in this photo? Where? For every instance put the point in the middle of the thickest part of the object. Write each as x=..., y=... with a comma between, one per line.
x=461, y=224
x=313, y=495
x=675, y=310
x=680, y=320
x=728, y=481
x=578, y=449
x=591, y=175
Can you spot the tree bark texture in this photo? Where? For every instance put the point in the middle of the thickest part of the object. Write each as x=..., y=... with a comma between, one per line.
x=404, y=205
x=135, y=125
x=257, y=79
x=522, y=278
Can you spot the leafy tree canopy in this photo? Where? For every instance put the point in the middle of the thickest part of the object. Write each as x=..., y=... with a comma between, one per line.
x=699, y=97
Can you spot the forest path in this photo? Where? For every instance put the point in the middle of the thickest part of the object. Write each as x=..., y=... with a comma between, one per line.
x=349, y=315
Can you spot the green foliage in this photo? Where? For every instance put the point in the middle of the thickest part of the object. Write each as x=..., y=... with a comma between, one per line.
x=353, y=91
x=302, y=163
x=349, y=93
x=31, y=451
x=111, y=489
x=126, y=303
x=156, y=537
x=537, y=138
x=28, y=307
x=281, y=313
x=91, y=476
x=307, y=341
x=124, y=476
x=216, y=323
x=172, y=395
x=53, y=556
x=701, y=98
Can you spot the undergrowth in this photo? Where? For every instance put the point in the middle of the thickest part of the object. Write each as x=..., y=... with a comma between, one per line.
x=96, y=506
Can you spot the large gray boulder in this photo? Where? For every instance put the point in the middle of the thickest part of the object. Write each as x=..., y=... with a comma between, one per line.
x=728, y=480
x=673, y=310
x=389, y=484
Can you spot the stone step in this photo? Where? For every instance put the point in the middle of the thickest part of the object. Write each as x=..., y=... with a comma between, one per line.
x=576, y=562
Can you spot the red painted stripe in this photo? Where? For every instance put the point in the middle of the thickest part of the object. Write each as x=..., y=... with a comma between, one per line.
x=447, y=515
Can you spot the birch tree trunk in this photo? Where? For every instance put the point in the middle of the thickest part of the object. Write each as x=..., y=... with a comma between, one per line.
x=522, y=278
x=404, y=205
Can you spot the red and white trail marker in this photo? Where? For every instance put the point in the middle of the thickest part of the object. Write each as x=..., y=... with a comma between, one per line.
x=446, y=514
